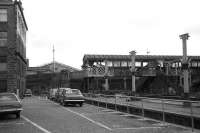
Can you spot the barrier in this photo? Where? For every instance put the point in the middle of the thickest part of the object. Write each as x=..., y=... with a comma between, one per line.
x=165, y=110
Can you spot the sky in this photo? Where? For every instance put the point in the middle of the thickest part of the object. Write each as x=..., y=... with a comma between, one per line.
x=78, y=27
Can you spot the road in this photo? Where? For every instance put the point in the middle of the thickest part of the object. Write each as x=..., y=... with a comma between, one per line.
x=44, y=116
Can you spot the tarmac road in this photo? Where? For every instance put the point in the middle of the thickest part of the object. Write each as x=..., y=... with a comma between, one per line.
x=44, y=116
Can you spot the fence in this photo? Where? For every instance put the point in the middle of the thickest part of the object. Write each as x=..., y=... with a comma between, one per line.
x=182, y=112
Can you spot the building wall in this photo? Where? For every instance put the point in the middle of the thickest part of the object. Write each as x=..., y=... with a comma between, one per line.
x=14, y=50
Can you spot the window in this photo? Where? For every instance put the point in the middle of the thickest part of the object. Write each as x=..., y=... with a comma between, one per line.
x=3, y=38
x=3, y=15
x=116, y=64
x=124, y=64
x=194, y=64
x=109, y=63
x=138, y=64
x=3, y=63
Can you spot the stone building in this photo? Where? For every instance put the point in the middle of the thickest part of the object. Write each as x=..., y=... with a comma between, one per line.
x=13, y=62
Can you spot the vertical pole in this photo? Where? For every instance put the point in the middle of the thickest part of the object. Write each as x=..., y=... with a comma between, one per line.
x=184, y=38
x=192, y=117
x=106, y=101
x=115, y=102
x=53, y=59
x=127, y=106
x=163, y=109
x=88, y=84
x=106, y=76
x=142, y=108
x=133, y=53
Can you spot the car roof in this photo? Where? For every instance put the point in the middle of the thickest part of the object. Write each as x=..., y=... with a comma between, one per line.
x=65, y=88
x=75, y=89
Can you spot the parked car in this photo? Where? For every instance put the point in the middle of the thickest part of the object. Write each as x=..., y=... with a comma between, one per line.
x=72, y=96
x=58, y=94
x=28, y=92
x=10, y=104
x=52, y=94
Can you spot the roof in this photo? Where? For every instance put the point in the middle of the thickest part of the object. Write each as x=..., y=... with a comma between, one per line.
x=58, y=67
x=19, y=3
x=89, y=57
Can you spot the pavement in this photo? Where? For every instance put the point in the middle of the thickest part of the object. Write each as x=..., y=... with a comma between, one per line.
x=44, y=116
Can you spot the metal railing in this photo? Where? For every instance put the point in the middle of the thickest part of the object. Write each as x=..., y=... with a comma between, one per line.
x=188, y=108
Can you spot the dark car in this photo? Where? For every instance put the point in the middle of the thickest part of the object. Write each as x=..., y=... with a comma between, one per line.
x=28, y=92
x=10, y=104
x=72, y=96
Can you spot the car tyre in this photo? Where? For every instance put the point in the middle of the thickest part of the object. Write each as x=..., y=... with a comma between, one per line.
x=80, y=104
x=18, y=115
x=62, y=103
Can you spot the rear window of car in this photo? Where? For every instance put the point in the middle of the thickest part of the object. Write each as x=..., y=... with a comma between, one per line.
x=8, y=97
x=28, y=91
x=76, y=92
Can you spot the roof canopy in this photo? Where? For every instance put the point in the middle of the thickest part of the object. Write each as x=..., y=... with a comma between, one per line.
x=100, y=58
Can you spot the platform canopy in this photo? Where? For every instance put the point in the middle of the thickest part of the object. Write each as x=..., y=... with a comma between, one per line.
x=101, y=58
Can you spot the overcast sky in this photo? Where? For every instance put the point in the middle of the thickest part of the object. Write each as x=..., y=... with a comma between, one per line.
x=78, y=27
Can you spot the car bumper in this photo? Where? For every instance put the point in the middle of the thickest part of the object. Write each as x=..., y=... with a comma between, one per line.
x=27, y=95
x=73, y=101
x=10, y=110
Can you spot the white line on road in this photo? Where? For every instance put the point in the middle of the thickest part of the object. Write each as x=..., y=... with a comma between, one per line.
x=36, y=125
x=95, y=122
x=136, y=128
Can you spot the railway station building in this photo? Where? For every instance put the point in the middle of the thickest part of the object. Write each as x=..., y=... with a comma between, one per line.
x=155, y=74
x=47, y=76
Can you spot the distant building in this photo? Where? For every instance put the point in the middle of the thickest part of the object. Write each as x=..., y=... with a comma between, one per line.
x=13, y=62
x=52, y=75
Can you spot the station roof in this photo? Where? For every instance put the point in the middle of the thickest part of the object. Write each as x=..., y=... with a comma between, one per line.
x=48, y=68
x=91, y=57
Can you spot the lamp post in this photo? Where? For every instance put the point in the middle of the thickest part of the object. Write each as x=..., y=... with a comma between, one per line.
x=133, y=54
x=185, y=65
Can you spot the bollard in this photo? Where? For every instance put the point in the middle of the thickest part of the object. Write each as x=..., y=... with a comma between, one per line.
x=192, y=116
x=99, y=99
x=163, y=110
x=116, y=103
x=127, y=107
x=106, y=102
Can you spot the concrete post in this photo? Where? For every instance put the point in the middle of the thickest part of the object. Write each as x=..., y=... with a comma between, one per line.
x=185, y=66
x=133, y=54
x=106, y=76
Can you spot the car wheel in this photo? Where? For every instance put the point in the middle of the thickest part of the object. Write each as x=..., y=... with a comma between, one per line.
x=18, y=115
x=62, y=103
x=81, y=104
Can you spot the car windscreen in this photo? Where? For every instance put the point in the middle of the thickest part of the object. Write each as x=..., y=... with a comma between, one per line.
x=8, y=97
